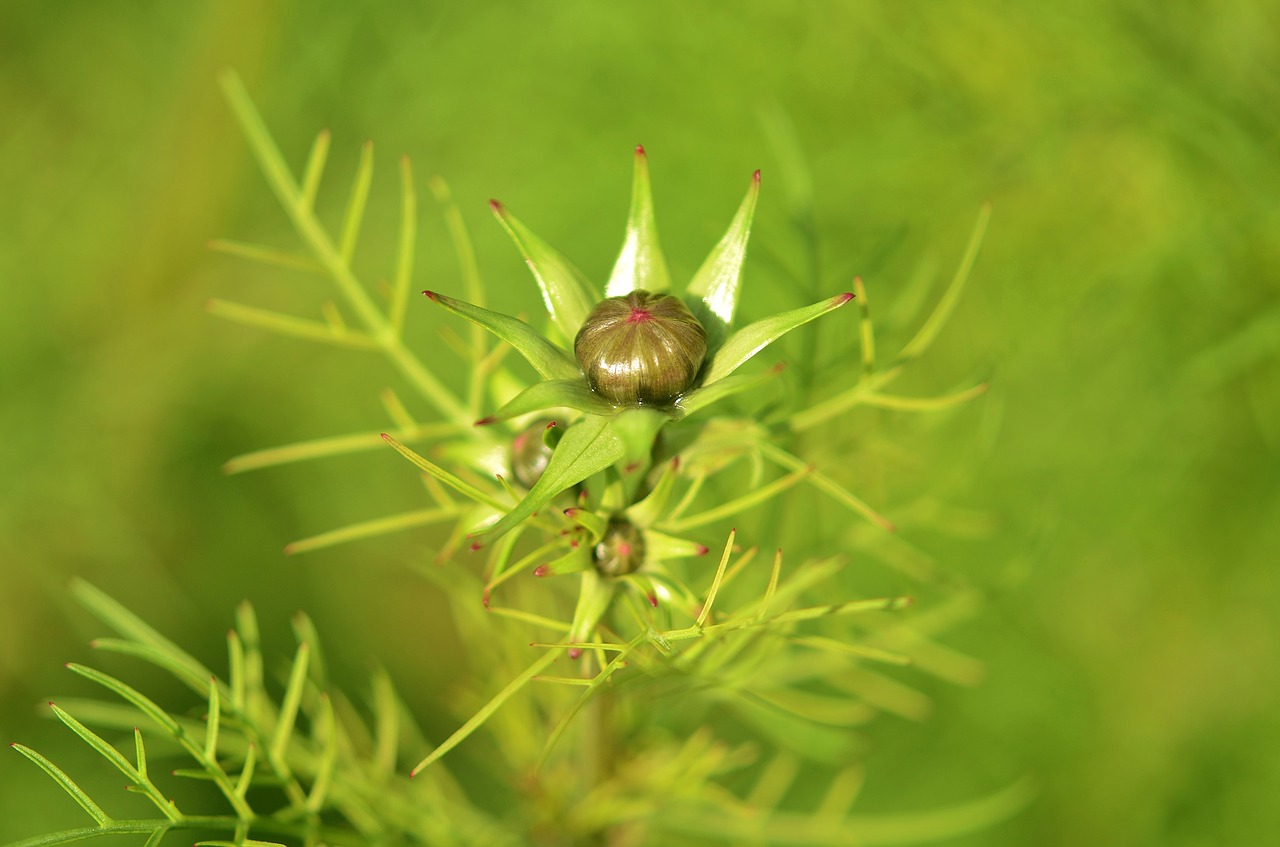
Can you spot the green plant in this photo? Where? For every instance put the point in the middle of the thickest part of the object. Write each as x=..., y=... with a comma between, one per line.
x=606, y=730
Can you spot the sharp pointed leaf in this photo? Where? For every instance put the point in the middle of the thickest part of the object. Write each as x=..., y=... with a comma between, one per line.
x=546, y=358
x=751, y=339
x=570, y=393
x=588, y=447
x=727, y=387
x=640, y=265
x=716, y=282
x=565, y=290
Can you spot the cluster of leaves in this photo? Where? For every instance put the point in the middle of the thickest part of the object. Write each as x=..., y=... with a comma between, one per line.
x=612, y=648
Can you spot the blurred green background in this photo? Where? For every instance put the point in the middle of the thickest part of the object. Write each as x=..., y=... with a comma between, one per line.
x=1126, y=306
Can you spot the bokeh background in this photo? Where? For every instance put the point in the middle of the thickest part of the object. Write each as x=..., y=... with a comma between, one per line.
x=1126, y=307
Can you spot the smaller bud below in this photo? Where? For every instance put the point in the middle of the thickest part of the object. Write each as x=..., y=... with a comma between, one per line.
x=621, y=549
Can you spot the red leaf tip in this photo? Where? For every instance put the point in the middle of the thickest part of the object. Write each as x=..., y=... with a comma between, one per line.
x=703, y=549
x=541, y=570
x=496, y=206
x=486, y=421
x=432, y=296
x=845, y=298
x=755, y=177
x=640, y=151
x=552, y=425
x=575, y=652
x=571, y=511
x=653, y=600
x=475, y=546
x=384, y=436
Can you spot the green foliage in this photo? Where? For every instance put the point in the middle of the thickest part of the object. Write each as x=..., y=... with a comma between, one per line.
x=305, y=766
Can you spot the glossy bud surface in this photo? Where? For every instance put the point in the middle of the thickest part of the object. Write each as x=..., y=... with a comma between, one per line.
x=621, y=550
x=641, y=349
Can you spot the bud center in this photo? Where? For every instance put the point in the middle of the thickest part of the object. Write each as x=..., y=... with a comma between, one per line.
x=639, y=316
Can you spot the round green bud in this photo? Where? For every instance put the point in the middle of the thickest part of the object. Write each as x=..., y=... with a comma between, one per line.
x=621, y=548
x=641, y=349
x=530, y=454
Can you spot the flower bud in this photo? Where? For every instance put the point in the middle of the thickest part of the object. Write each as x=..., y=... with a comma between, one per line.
x=641, y=349
x=530, y=454
x=621, y=549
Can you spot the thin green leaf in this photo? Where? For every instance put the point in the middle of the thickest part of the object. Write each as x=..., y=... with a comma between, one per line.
x=751, y=339
x=551, y=394
x=336, y=445
x=404, y=253
x=315, y=168
x=215, y=718
x=68, y=785
x=488, y=709
x=140, y=750
x=647, y=511
x=70, y=836
x=640, y=265
x=923, y=404
x=546, y=358
x=825, y=483
x=356, y=204
x=128, y=624
x=565, y=291
x=386, y=715
x=292, y=699
x=266, y=255
x=716, y=283
x=738, y=504
x=715, y=583
x=587, y=448
x=156, y=836
x=700, y=398
x=371, y=529
x=597, y=681
x=327, y=729
x=166, y=722
x=866, y=329
x=464, y=488
x=929, y=331
x=288, y=325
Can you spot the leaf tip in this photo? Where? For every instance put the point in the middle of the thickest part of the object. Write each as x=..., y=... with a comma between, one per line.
x=541, y=570
x=432, y=296
x=498, y=208
x=653, y=600
x=841, y=299
x=486, y=421
x=755, y=179
x=640, y=154
x=575, y=652
x=703, y=549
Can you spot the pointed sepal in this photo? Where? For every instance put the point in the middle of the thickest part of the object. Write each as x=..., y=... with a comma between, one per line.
x=587, y=448
x=546, y=358
x=552, y=394
x=565, y=290
x=716, y=283
x=640, y=265
x=753, y=338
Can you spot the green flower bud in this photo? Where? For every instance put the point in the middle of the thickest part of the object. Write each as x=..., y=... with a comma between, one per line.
x=621, y=549
x=641, y=349
x=530, y=453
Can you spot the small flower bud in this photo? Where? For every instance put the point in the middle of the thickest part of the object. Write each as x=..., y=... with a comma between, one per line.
x=621, y=549
x=530, y=454
x=641, y=349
